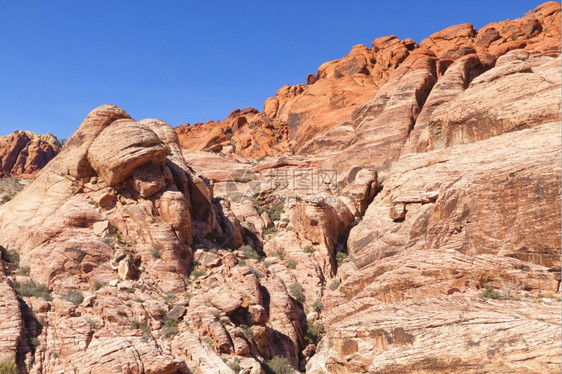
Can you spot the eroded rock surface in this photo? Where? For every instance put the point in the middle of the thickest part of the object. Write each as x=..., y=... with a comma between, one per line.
x=405, y=218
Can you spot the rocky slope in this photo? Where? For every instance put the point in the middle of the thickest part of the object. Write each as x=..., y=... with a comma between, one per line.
x=409, y=222
x=24, y=153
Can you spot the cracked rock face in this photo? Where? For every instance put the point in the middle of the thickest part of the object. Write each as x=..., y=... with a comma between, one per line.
x=436, y=247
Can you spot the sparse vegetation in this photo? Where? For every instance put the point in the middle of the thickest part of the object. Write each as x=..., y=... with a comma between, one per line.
x=270, y=230
x=136, y=325
x=286, y=220
x=308, y=249
x=155, y=251
x=93, y=323
x=196, y=273
x=313, y=332
x=292, y=264
x=170, y=327
x=334, y=285
x=317, y=306
x=279, y=254
x=8, y=367
x=297, y=291
x=490, y=292
x=28, y=289
x=340, y=258
x=277, y=365
x=74, y=296
x=249, y=252
x=11, y=256
x=234, y=364
x=246, y=331
x=9, y=187
x=97, y=285
x=24, y=270
x=256, y=272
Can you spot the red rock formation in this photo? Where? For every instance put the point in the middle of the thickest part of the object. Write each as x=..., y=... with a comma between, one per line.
x=445, y=200
x=24, y=153
x=299, y=118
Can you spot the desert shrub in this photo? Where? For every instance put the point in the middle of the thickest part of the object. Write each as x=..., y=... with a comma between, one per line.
x=313, y=332
x=97, y=285
x=28, y=289
x=289, y=228
x=196, y=273
x=8, y=367
x=292, y=264
x=270, y=230
x=249, y=252
x=11, y=256
x=334, y=285
x=489, y=292
x=286, y=220
x=139, y=325
x=256, y=272
x=170, y=327
x=277, y=365
x=317, y=306
x=297, y=291
x=74, y=296
x=340, y=258
x=155, y=252
x=24, y=270
x=246, y=331
x=275, y=212
x=234, y=365
x=308, y=249
x=279, y=254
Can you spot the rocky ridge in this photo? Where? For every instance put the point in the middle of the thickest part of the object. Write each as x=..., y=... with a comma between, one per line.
x=435, y=249
x=24, y=153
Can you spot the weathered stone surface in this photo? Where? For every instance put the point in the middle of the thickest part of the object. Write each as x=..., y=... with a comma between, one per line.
x=24, y=153
x=132, y=145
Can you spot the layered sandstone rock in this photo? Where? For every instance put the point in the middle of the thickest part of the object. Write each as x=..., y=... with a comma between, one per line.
x=435, y=168
x=24, y=153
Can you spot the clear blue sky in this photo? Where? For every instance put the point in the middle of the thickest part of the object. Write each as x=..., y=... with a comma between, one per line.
x=59, y=60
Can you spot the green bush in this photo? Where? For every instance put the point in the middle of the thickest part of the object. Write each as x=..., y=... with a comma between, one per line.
x=170, y=327
x=249, y=252
x=292, y=264
x=137, y=325
x=74, y=296
x=97, y=285
x=340, y=258
x=8, y=367
x=297, y=291
x=317, y=306
x=279, y=254
x=313, y=332
x=277, y=365
x=11, y=256
x=334, y=285
x=246, y=331
x=234, y=365
x=308, y=249
x=270, y=230
x=28, y=289
x=275, y=212
x=196, y=273
x=489, y=292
